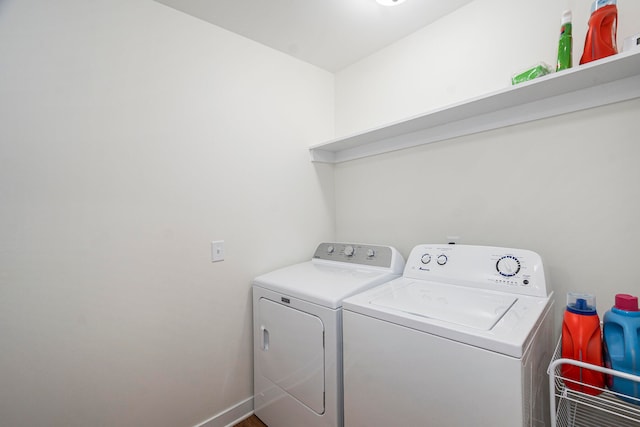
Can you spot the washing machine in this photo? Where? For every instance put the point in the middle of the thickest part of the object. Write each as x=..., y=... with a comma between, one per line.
x=297, y=312
x=462, y=339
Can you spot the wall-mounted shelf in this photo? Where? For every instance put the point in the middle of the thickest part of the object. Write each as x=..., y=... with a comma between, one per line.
x=609, y=80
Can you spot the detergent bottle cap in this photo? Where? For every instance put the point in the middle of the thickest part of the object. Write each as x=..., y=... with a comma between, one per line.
x=599, y=4
x=581, y=303
x=566, y=17
x=626, y=302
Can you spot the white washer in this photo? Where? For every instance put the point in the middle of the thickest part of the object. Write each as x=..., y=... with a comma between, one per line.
x=462, y=339
x=297, y=333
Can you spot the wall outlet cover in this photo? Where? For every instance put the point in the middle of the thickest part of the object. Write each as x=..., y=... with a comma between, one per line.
x=217, y=250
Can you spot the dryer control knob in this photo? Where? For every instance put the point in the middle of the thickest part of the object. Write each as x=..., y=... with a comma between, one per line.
x=349, y=251
x=330, y=249
x=371, y=253
x=508, y=266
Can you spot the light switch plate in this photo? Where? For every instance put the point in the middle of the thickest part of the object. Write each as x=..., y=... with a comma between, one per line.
x=217, y=250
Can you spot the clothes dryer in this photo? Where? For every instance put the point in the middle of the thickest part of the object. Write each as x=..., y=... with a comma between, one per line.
x=297, y=312
x=462, y=339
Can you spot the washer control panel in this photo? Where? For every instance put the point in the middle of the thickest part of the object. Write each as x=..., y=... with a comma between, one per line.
x=357, y=253
x=517, y=271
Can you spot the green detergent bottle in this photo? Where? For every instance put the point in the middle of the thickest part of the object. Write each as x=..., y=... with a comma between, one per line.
x=566, y=43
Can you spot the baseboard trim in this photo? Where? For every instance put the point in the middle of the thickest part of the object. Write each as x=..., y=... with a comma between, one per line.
x=230, y=416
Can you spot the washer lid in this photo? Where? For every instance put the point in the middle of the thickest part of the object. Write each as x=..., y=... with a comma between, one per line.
x=496, y=321
x=462, y=306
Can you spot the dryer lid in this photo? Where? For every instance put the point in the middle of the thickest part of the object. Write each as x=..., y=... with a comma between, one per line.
x=323, y=283
x=476, y=309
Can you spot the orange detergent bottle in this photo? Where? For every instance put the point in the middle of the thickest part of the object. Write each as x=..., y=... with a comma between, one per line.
x=582, y=340
x=601, y=36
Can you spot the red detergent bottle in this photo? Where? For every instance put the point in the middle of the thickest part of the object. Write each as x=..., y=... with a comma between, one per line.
x=601, y=36
x=582, y=340
x=621, y=334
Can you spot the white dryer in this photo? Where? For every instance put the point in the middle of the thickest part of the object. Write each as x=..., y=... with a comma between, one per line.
x=297, y=312
x=462, y=339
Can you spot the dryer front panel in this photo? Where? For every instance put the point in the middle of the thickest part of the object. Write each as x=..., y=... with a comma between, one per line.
x=291, y=353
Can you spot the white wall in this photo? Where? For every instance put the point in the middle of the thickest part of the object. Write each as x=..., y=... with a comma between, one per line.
x=131, y=135
x=565, y=187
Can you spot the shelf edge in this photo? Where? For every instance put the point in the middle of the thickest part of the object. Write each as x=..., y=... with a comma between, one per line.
x=616, y=79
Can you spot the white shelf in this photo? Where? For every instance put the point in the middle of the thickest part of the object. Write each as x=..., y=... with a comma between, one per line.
x=609, y=80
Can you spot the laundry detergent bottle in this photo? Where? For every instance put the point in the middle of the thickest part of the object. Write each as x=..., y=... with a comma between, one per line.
x=582, y=341
x=565, y=45
x=601, y=35
x=622, y=345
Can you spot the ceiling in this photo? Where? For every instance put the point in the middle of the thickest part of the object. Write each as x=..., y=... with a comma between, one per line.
x=330, y=34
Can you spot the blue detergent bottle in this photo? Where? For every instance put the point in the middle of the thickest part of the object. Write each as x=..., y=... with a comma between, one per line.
x=622, y=345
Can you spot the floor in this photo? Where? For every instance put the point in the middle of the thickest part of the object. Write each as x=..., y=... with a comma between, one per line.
x=252, y=421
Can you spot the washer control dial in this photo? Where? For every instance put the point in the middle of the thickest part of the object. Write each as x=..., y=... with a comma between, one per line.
x=426, y=259
x=442, y=259
x=508, y=266
x=330, y=249
x=371, y=253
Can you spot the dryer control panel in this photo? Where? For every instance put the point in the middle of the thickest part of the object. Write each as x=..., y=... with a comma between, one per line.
x=357, y=253
x=517, y=271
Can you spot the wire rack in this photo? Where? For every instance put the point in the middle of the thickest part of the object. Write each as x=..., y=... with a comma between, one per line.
x=571, y=408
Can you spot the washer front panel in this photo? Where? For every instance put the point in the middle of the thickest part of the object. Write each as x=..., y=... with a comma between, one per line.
x=397, y=376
